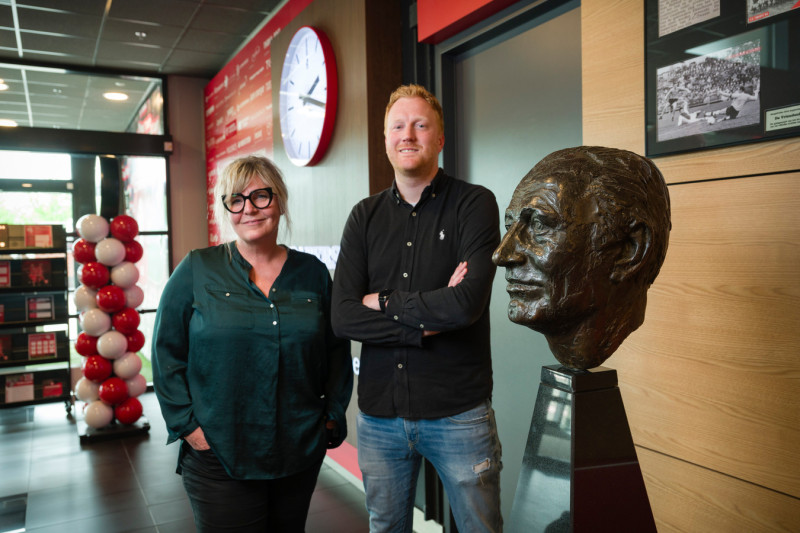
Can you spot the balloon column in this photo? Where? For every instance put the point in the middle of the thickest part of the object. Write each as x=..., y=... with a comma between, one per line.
x=107, y=298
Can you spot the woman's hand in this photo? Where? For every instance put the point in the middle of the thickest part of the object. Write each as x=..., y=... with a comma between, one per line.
x=197, y=440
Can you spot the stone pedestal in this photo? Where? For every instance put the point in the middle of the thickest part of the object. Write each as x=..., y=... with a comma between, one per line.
x=580, y=472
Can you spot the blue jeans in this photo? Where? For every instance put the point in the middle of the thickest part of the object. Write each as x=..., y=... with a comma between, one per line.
x=465, y=451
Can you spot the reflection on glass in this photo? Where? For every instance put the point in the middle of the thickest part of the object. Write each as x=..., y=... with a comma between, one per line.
x=144, y=182
x=45, y=97
x=153, y=269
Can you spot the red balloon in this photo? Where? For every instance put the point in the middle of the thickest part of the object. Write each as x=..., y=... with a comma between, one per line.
x=133, y=251
x=83, y=251
x=126, y=321
x=111, y=298
x=97, y=368
x=128, y=411
x=135, y=341
x=114, y=391
x=124, y=228
x=86, y=344
x=94, y=275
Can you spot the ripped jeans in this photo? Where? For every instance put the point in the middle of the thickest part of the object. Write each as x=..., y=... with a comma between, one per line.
x=465, y=451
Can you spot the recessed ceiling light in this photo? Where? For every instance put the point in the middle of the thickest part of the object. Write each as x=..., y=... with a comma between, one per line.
x=3, y=85
x=141, y=35
x=7, y=123
x=117, y=97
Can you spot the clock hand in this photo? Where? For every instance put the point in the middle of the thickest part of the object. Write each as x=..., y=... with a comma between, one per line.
x=313, y=86
x=308, y=100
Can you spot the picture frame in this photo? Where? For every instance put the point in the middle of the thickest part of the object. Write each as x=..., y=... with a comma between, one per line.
x=720, y=73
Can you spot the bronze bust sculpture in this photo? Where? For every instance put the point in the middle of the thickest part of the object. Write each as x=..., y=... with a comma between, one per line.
x=587, y=231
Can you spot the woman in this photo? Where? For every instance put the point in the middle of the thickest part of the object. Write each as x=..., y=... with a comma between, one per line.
x=246, y=368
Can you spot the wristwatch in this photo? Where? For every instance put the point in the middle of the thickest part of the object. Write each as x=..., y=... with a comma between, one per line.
x=383, y=297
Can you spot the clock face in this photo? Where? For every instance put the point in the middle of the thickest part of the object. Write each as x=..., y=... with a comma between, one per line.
x=308, y=96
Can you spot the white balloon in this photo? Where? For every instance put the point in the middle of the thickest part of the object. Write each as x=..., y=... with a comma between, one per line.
x=95, y=322
x=98, y=414
x=136, y=385
x=112, y=344
x=134, y=296
x=85, y=298
x=110, y=251
x=93, y=228
x=125, y=274
x=87, y=390
x=127, y=366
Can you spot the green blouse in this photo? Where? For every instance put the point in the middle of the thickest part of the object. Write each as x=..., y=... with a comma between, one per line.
x=260, y=374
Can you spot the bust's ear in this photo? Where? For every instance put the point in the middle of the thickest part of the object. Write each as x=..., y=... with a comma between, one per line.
x=632, y=252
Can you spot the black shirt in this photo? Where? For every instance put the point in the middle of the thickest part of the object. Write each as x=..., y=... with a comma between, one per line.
x=390, y=244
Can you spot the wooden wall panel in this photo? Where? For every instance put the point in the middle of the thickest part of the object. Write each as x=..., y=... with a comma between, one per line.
x=712, y=376
x=612, y=54
x=686, y=497
x=711, y=382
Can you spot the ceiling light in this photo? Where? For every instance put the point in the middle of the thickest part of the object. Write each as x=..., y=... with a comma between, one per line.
x=7, y=123
x=3, y=85
x=115, y=96
x=141, y=35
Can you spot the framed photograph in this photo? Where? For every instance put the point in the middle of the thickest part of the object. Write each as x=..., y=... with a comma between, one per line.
x=720, y=73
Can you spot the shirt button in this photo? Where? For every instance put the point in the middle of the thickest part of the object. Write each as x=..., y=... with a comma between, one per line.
x=272, y=306
x=422, y=326
x=400, y=365
x=408, y=243
x=227, y=294
x=396, y=317
x=274, y=322
x=413, y=213
x=405, y=274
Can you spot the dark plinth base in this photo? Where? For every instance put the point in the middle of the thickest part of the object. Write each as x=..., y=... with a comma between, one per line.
x=580, y=472
x=114, y=430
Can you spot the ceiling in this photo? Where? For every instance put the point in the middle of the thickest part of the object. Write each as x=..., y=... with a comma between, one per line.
x=142, y=38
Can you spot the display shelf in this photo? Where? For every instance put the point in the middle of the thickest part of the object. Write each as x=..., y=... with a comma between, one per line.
x=33, y=295
x=26, y=348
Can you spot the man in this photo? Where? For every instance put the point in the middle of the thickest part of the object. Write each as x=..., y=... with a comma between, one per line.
x=587, y=232
x=739, y=98
x=412, y=283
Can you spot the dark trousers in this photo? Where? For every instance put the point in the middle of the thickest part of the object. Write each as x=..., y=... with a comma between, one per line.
x=221, y=503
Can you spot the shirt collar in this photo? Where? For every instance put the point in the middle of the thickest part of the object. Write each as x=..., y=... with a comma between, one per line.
x=430, y=191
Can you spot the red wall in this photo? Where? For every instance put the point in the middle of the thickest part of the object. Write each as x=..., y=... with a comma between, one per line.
x=238, y=105
x=438, y=20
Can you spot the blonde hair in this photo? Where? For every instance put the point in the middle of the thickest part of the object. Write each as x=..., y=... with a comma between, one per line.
x=237, y=175
x=415, y=91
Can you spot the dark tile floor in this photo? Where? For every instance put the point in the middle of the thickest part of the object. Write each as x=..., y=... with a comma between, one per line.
x=120, y=485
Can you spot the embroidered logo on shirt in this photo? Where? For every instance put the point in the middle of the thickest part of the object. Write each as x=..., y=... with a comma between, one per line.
x=441, y=235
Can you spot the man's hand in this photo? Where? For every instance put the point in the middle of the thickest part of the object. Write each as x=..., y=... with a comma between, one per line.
x=371, y=300
x=197, y=440
x=458, y=274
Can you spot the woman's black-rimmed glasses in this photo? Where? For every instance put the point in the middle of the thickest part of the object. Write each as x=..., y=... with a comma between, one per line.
x=260, y=198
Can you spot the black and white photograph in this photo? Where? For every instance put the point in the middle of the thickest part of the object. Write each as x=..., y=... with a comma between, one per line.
x=710, y=93
x=762, y=9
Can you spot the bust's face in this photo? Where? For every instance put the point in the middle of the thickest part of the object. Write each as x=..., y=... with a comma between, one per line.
x=555, y=275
